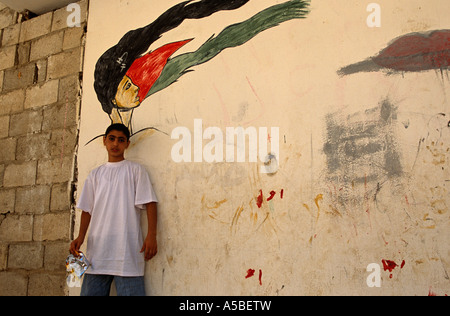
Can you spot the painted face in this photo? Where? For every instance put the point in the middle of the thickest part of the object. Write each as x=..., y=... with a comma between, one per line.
x=116, y=143
x=127, y=94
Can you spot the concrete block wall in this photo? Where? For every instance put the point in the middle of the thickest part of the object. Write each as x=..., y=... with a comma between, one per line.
x=40, y=96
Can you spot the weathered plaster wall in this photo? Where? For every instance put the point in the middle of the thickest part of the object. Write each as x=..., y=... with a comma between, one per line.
x=363, y=158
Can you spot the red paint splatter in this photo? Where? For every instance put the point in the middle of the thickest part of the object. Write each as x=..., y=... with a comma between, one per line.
x=259, y=200
x=260, y=277
x=282, y=194
x=272, y=195
x=250, y=273
x=391, y=265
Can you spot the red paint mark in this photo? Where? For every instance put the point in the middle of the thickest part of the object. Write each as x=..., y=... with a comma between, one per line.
x=259, y=200
x=272, y=195
x=431, y=293
x=260, y=277
x=391, y=265
x=250, y=273
x=282, y=193
x=417, y=52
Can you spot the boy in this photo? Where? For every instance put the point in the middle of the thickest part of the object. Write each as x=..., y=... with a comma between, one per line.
x=112, y=198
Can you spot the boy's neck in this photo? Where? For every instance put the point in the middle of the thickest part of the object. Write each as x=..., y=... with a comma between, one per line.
x=115, y=159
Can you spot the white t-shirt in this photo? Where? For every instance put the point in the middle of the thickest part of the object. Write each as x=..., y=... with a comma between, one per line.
x=115, y=194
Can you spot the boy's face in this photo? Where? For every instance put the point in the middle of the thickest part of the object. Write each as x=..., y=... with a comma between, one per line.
x=116, y=143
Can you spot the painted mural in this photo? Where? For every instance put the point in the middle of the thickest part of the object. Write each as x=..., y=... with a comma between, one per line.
x=359, y=201
x=127, y=74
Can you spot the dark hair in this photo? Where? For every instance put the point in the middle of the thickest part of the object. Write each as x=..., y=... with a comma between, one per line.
x=118, y=127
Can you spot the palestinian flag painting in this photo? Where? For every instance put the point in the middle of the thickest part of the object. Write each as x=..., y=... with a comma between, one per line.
x=131, y=71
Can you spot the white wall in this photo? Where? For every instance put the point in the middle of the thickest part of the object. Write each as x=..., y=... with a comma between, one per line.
x=384, y=196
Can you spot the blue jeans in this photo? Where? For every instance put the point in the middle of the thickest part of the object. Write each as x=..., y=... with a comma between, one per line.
x=100, y=285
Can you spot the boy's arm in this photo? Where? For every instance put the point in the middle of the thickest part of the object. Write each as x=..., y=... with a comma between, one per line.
x=150, y=247
x=84, y=225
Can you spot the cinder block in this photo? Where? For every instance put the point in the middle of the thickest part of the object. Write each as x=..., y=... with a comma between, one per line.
x=32, y=200
x=33, y=147
x=4, y=126
x=29, y=256
x=36, y=27
x=11, y=35
x=8, y=151
x=17, y=175
x=7, y=57
x=55, y=170
x=52, y=227
x=25, y=122
x=47, y=284
x=55, y=256
x=47, y=45
x=13, y=284
x=12, y=102
x=19, y=78
x=60, y=115
x=40, y=95
x=16, y=229
x=60, y=197
x=61, y=15
x=7, y=17
x=7, y=198
x=64, y=64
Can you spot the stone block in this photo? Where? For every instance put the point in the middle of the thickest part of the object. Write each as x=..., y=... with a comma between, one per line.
x=28, y=256
x=7, y=17
x=12, y=102
x=7, y=198
x=70, y=89
x=33, y=147
x=32, y=200
x=3, y=256
x=23, y=53
x=55, y=170
x=4, y=126
x=47, y=45
x=17, y=175
x=16, y=228
x=47, y=284
x=64, y=64
x=61, y=115
x=73, y=37
x=13, y=284
x=19, y=78
x=11, y=35
x=55, y=256
x=60, y=197
x=61, y=15
x=7, y=57
x=52, y=227
x=36, y=27
x=39, y=95
x=8, y=152
x=63, y=141
x=25, y=123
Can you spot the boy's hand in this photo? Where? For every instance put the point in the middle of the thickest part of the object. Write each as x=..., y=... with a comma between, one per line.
x=150, y=247
x=75, y=246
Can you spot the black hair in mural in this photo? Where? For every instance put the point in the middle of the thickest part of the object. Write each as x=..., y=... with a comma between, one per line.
x=127, y=74
x=114, y=63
